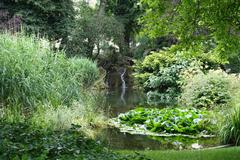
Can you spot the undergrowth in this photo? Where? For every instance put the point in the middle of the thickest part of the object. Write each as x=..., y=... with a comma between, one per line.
x=19, y=141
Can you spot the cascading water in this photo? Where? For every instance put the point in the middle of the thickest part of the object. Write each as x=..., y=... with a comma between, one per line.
x=123, y=85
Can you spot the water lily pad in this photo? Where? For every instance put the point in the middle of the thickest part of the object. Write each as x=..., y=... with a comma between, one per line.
x=191, y=122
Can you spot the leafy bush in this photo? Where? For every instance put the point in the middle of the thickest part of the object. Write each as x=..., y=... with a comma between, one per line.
x=31, y=72
x=51, y=18
x=162, y=74
x=159, y=74
x=174, y=121
x=212, y=89
x=19, y=141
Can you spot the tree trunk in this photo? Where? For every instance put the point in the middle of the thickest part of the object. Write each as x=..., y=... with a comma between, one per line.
x=127, y=40
x=102, y=7
x=98, y=51
x=90, y=47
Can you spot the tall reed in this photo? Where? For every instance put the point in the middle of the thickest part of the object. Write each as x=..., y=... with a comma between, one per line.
x=32, y=73
x=230, y=130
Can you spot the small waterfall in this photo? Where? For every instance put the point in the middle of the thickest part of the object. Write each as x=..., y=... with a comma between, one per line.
x=123, y=85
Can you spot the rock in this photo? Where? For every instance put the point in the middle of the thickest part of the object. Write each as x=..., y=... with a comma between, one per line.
x=196, y=146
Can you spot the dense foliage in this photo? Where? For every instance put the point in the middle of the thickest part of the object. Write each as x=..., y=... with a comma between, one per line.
x=87, y=113
x=50, y=102
x=31, y=72
x=127, y=12
x=167, y=121
x=212, y=89
x=32, y=75
x=159, y=75
x=213, y=25
x=51, y=18
x=19, y=141
x=93, y=33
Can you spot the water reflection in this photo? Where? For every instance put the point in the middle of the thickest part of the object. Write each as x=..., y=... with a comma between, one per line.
x=117, y=140
x=132, y=98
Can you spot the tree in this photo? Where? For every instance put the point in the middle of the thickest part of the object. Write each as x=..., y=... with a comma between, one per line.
x=211, y=25
x=102, y=7
x=48, y=17
x=127, y=12
x=93, y=30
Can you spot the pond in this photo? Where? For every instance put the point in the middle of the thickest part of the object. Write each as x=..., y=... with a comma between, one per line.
x=117, y=103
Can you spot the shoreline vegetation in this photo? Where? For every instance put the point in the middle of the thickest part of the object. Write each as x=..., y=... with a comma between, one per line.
x=231, y=153
x=61, y=60
x=48, y=110
x=49, y=93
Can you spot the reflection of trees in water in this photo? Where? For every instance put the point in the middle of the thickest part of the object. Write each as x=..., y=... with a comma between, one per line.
x=133, y=98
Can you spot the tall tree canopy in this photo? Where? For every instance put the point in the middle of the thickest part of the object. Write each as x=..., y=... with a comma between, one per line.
x=127, y=12
x=213, y=25
x=94, y=31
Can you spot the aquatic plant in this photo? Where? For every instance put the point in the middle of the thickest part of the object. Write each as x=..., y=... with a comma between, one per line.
x=167, y=121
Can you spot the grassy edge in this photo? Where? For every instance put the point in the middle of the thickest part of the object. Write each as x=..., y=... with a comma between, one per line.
x=231, y=153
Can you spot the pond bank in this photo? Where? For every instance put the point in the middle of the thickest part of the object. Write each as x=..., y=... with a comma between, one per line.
x=120, y=141
x=231, y=153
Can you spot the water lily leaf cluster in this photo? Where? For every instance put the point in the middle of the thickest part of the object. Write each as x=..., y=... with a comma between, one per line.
x=166, y=121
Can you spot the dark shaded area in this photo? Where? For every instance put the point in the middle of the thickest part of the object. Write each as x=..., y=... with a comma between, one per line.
x=47, y=18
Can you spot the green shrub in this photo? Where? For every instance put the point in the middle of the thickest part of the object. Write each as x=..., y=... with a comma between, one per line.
x=85, y=71
x=210, y=90
x=159, y=75
x=162, y=74
x=31, y=73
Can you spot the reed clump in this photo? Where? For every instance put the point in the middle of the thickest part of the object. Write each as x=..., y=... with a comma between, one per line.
x=31, y=73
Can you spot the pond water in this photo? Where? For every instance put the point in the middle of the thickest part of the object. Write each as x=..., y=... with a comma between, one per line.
x=117, y=102
x=116, y=140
